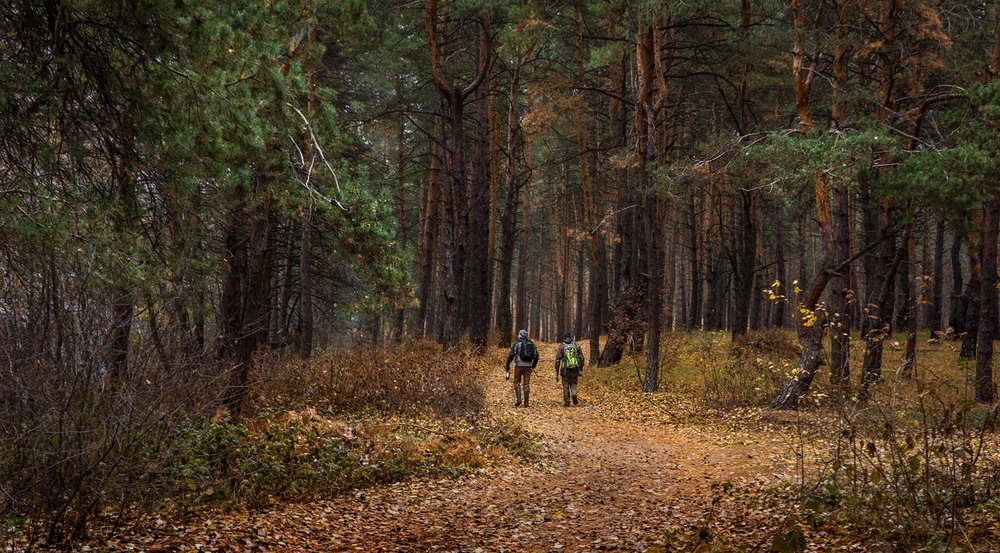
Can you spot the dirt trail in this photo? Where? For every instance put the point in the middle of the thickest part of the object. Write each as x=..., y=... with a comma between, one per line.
x=601, y=485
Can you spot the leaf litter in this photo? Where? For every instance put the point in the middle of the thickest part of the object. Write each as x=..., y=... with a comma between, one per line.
x=622, y=471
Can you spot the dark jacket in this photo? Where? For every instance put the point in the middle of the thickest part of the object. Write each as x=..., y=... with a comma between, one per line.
x=514, y=355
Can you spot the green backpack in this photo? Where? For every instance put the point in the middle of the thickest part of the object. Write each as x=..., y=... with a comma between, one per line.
x=572, y=354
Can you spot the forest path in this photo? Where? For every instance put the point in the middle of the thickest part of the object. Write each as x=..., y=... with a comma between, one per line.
x=603, y=483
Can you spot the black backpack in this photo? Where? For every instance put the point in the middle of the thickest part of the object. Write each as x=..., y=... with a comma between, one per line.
x=528, y=351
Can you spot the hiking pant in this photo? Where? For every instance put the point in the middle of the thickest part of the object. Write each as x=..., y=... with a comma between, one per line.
x=569, y=387
x=522, y=373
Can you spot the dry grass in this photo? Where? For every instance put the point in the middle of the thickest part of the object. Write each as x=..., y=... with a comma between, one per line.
x=412, y=379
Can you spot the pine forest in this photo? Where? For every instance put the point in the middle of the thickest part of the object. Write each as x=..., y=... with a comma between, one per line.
x=269, y=271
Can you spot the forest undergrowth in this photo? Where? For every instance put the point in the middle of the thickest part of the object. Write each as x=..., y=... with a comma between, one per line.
x=77, y=471
x=914, y=467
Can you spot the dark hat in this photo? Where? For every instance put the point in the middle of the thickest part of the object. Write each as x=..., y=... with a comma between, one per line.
x=567, y=335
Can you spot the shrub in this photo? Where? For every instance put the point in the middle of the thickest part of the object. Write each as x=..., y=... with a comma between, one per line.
x=913, y=468
x=414, y=378
x=294, y=455
x=76, y=445
x=772, y=343
x=749, y=372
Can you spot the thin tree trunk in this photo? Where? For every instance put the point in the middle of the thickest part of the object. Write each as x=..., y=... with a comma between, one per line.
x=429, y=225
x=650, y=208
x=780, y=288
x=935, y=322
x=840, y=325
x=694, y=318
x=956, y=319
x=306, y=288
x=910, y=360
x=744, y=260
x=508, y=223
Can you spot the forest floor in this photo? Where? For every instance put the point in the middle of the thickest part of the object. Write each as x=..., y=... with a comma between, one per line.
x=613, y=474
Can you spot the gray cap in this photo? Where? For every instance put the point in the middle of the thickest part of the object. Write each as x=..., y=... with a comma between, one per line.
x=522, y=332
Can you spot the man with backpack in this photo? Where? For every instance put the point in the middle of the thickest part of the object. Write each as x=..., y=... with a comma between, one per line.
x=525, y=357
x=569, y=365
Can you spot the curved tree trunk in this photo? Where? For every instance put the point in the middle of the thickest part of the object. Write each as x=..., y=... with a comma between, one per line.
x=809, y=322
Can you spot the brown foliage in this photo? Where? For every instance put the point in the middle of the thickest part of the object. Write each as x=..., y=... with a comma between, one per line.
x=773, y=342
x=413, y=378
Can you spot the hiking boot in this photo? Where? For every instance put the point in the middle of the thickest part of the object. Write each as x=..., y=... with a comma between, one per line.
x=525, y=398
x=566, y=404
x=517, y=393
x=574, y=401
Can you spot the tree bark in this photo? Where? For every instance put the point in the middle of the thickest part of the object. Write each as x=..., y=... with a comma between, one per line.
x=935, y=322
x=480, y=256
x=743, y=256
x=780, y=288
x=650, y=205
x=429, y=224
x=508, y=222
x=244, y=313
x=985, y=387
x=910, y=358
x=880, y=304
x=972, y=297
x=694, y=315
x=306, y=287
x=959, y=301
x=840, y=324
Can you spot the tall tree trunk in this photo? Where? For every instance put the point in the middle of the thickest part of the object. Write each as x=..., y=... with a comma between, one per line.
x=985, y=388
x=480, y=256
x=521, y=302
x=910, y=359
x=744, y=258
x=694, y=317
x=454, y=236
x=401, y=237
x=840, y=325
x=935, y=322
x=306, y=287
x=429, y=225
x=512, y=191
x=973, y=301
x=123, y=302
x=878, y=325
x=650, y=205
x=245, y=289
x=780, y=288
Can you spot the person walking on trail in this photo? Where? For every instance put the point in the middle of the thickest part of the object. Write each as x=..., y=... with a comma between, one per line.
x=569, y=366
x=525, y=357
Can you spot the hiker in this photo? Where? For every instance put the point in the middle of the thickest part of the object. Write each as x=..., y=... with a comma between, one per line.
x=569, y=365
x=525, y=357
